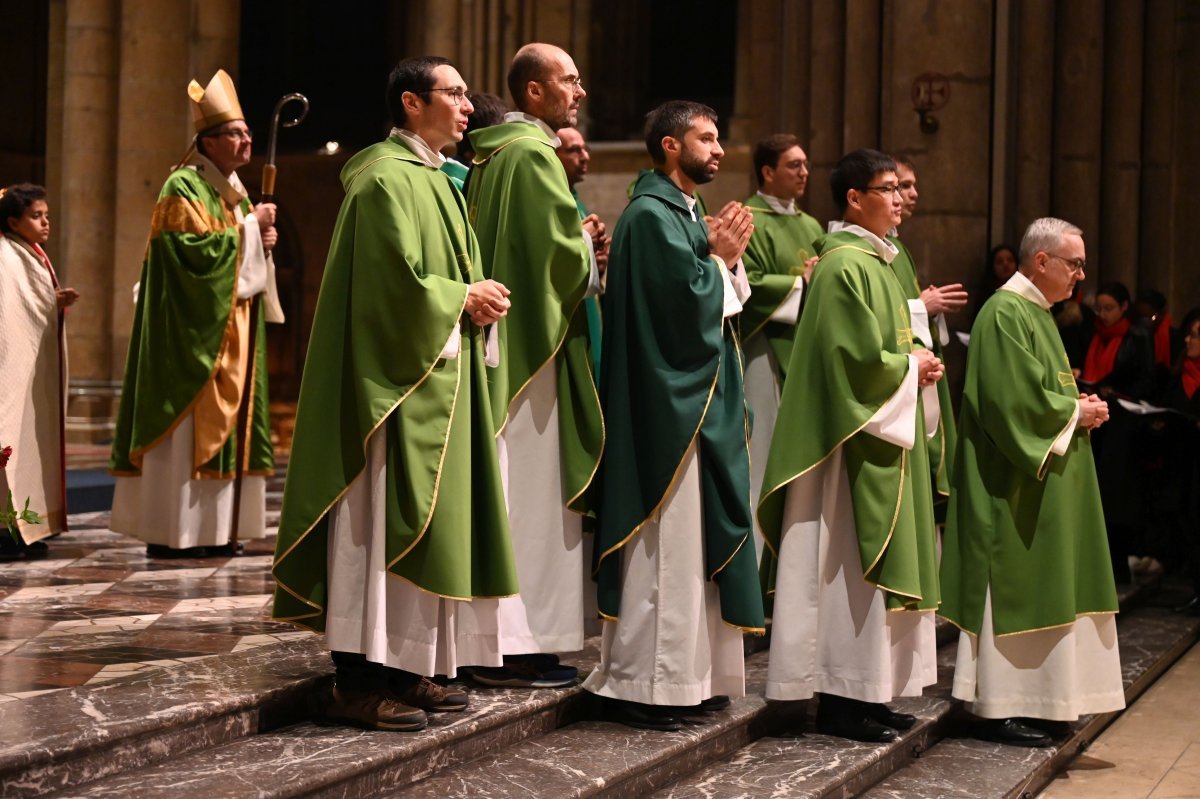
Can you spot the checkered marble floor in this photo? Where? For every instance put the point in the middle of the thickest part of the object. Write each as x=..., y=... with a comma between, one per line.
x=96, y=608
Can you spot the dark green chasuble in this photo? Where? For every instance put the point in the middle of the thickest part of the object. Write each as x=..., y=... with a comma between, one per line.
x=941, y=445
x=183, y=325
x=591, y=305
x=1023, y=521
x=673, y=376
x=857, y=336
x=532, y=241
x=394, y=287
x=774, y=258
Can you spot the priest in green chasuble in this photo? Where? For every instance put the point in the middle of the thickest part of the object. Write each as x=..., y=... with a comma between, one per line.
x=206, y=278
x=393, y=537
x=549, y=429
x=779, y=261
x=1025, y=565
x=573, y=152
x=675, y=565
x=847, y=509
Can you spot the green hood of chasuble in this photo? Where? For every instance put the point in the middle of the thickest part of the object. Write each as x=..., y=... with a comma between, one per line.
x=1022, y=520
x=774, y=258
x=188, y=291
x=942, y=444
x=673, y=375
x=857, y=336
x=394, y=287
x=531, y=239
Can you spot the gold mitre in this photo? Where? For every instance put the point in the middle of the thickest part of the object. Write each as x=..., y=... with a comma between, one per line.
x=216, y=103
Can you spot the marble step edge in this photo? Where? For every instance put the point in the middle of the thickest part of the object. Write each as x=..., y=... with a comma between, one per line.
x=59, y=739
x=597, y=758
x=310, y=760
x=1026, y=772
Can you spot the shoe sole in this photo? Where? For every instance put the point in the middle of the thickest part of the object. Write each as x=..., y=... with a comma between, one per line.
x=411, y=726
x=516, y=682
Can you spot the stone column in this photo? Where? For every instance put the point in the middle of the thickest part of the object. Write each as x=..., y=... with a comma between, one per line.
x=89, y=130
x=1034, y=108
x=826, y=104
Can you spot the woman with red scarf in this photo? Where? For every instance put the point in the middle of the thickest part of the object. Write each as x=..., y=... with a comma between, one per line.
x=1120, y=365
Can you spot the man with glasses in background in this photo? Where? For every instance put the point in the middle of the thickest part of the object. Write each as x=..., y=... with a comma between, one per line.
x=194, y=400
x=846, y=507
x=544, y=400
x=1025, y=571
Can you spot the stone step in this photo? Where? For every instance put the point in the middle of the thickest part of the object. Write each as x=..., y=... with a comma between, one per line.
x=71, y=737
x=959, y=767
x=304, y=759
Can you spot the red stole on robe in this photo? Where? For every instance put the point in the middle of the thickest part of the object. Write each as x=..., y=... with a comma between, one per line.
x=1102, y=352
x=1191, y=376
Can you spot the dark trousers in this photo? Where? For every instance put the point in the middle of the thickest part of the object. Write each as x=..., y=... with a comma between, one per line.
x=355, y=673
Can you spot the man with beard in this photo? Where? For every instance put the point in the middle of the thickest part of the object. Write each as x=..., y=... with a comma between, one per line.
x=928, y=308
x=675, y=603
x=393, y=527
x=846, y=507
x=779, y=261
x=573, y=152
x=544, y=401
x=1025, y=564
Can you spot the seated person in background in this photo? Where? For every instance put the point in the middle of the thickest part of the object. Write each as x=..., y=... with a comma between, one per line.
x=1150, y=311
x=1119, y=364
x=1001, y=263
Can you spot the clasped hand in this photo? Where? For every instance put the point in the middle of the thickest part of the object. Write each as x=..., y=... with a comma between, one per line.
x=487, y=302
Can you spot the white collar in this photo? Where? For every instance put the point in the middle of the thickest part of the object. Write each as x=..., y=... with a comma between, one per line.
x=230, y=189
x=777, y=206
x=1023, y=286
x=883, y=248
x=521, y=116
x=691, y=203
x=431, y=157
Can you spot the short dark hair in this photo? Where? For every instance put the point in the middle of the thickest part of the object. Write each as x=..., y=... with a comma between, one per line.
x=411, y=75
x=768, y=151
x=905, y=161
x=1154, y=298
x=673, y=118
x=530, y=63
x=855, y=171
x=488, y=110
x=16, y=200
x=1116, y=290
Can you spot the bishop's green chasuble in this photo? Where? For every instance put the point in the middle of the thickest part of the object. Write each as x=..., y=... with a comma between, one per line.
x=1024, y=522
x=394, y=287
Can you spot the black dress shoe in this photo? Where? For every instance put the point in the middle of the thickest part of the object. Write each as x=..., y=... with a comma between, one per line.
x=1190, y=608
x=890, y=718
x=1010, y=731
x=849, y=718
x=1055, y=729
x=644, y=717
x=164, y=551
x=714, y=704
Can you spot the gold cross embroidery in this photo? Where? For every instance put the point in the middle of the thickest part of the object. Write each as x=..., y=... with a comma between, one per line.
x=1066, y=379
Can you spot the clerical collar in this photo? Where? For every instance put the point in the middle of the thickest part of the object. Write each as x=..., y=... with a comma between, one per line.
x=231, y=189
x=521, y=116
x=691, y=203
x=883, y=248
x=777, y=206
x=1023, y=286
x=429, y=156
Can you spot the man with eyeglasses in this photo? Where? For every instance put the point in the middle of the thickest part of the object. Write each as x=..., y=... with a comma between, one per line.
x=1025, y=571
x=846, y=508
x=779, y=261
x=206, y=279
x=544, y=402
x=393, y=528
x=573, y=152
x=928, y=308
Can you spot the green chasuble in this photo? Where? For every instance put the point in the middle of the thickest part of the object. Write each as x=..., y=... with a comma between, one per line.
x=394, y=287
x=1023, y=521
x=591, y=305
x=532, y=241
x=673, y=376
x=941, y=445
x=183, y=326
x=775, y=256
x=857, y=336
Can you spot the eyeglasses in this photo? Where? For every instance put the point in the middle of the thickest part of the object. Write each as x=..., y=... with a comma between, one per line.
x=246, y=134
x=893, y=189
x=905, y=185
x=1076, y=265
x=575, y=82
x=456, y=94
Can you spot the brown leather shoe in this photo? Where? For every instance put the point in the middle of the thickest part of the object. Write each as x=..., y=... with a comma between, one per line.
x=375, y=711
x=428, y=695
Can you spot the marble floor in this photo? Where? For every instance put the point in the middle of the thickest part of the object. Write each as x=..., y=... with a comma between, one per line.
x=97, y=608
x=1152, y=751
